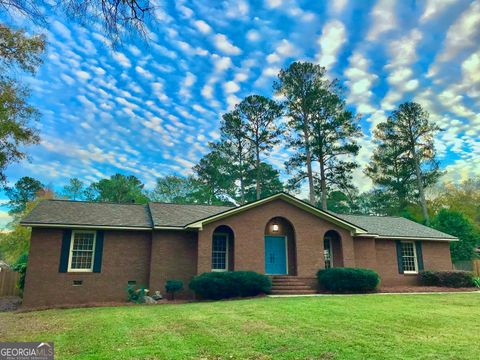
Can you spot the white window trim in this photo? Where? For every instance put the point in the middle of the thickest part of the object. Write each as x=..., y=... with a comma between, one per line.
x=227, y=252
x=415, y=258
x=70, y=255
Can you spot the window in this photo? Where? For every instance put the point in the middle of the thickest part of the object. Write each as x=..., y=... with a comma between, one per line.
x=409, y=258
x=220, y=252
x=327, y=253
x=82, y=248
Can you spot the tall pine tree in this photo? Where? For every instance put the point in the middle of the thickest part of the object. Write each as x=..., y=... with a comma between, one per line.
x=334, y=130
x=258, y=116
x=301, y=84
x=320, y=130
x=405, y=157
x=235, y=146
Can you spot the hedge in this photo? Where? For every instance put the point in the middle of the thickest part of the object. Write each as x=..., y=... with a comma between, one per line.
x=223, y=285
x=348, y=279
x=454, y=279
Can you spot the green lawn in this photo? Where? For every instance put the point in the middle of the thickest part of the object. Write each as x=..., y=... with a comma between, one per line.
x=437, y=326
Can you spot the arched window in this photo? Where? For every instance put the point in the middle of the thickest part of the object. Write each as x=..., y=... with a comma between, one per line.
x=220, y=252
x=331, y=249
x=222, y=249
x=327, y=252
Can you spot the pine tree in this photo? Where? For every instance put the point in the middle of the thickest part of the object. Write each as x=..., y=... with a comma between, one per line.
x=334, y=130
x=235, y=146
x=405, y=156
x=257, y=116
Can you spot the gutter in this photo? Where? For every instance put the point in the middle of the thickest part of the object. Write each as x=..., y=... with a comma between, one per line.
x=386, y=237
x=80, y=226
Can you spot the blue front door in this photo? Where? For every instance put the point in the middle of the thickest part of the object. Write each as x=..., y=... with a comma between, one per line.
x=275, y=255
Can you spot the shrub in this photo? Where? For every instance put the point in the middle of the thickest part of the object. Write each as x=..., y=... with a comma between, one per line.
x=455, y=279
x=136, y=295
x=20, y=266
x=172, y=286
x=429, y=278
x=348, y=279
x=223, y=285
x=476, y=282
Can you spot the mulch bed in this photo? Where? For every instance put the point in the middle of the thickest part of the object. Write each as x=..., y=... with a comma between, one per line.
x=10, y=303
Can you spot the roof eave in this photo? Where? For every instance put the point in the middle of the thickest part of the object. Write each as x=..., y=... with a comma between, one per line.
x=392, y=237
x=169, y=228
x=83, y=226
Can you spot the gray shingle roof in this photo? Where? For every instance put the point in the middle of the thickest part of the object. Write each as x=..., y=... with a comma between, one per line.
x=79, y=213
x=386, y=226
x=66, y=212
x=176, y=215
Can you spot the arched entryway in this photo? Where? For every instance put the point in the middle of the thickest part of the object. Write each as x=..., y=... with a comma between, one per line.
x=223, y=249
x=332, y=249
x=280, y=249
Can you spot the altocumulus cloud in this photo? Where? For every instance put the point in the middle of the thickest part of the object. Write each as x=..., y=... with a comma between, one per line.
x=151, y=109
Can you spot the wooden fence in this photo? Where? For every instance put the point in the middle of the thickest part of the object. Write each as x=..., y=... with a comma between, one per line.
x=476, y=267
x=8, y=283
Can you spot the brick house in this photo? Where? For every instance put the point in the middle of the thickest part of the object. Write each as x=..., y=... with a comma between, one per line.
x=88, y=252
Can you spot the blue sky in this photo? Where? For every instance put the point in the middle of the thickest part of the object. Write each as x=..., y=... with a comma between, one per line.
x=149, y=109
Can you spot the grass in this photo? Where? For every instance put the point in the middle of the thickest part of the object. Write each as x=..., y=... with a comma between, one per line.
x=437, y=326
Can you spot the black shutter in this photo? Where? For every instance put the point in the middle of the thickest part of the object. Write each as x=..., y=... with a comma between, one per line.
x=418, y=246
x=399, y=256
x=97, y=260
x=65, y=252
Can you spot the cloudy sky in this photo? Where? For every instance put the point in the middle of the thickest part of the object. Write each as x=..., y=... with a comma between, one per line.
x=150, y=109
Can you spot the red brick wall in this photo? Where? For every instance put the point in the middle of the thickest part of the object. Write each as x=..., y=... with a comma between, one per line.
x=249, y=230
x=365, y=256
x=151, y=258
x=126, y=256
x=436, y=256
x=174, y=257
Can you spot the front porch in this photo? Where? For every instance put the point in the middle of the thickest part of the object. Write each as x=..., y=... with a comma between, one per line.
x=278, y=250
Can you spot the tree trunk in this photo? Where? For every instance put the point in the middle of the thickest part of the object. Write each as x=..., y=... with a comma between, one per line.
x=323, y=185
x=311, y=190
x=257, y=163
x=421, y=192
x=242, y=185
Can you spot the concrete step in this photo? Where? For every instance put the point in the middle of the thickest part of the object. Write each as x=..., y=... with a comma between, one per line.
x=292, y=292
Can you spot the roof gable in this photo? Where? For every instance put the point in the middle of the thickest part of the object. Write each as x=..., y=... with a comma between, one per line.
x=287, y=198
